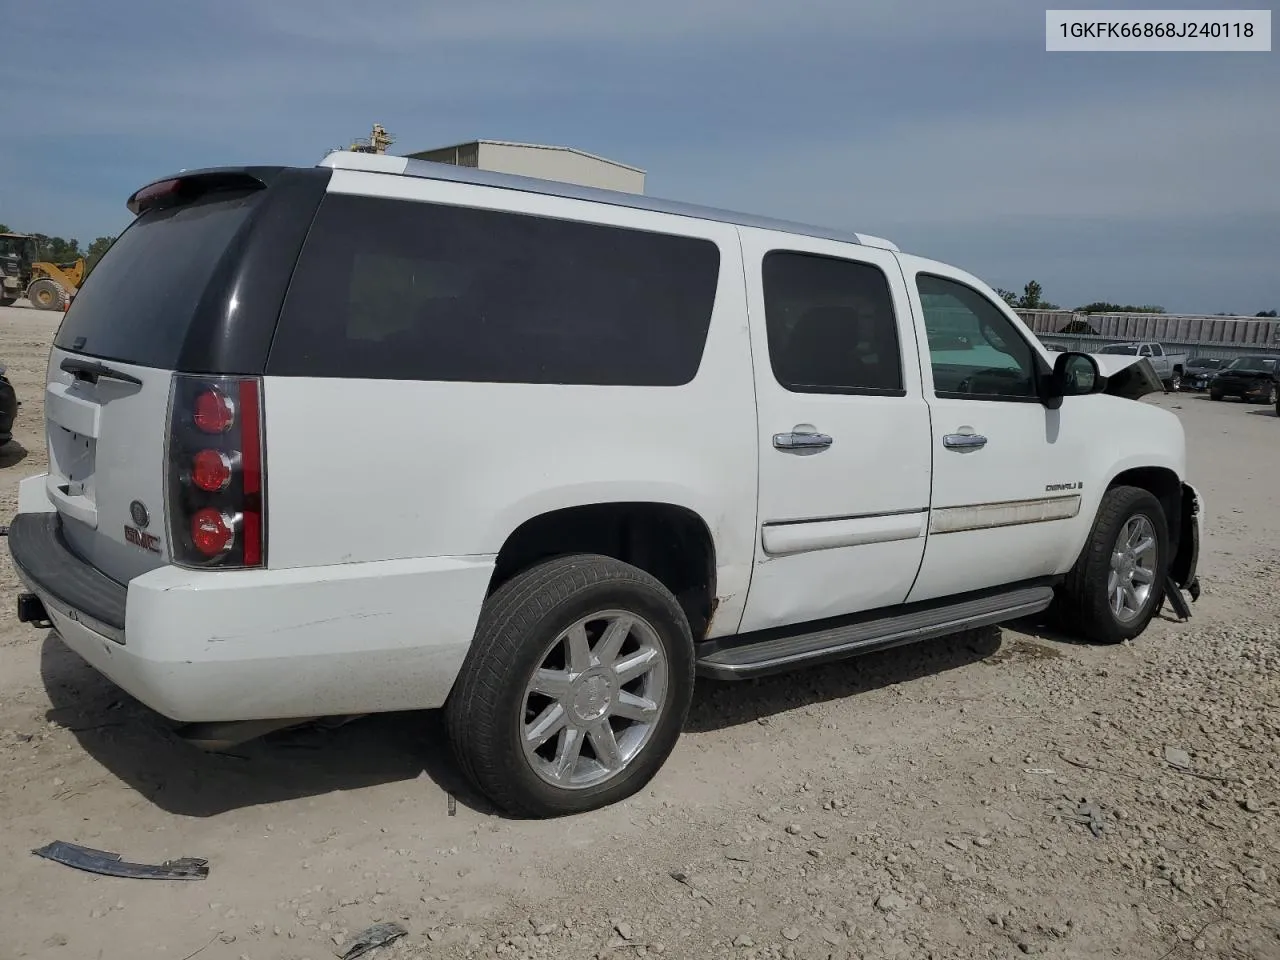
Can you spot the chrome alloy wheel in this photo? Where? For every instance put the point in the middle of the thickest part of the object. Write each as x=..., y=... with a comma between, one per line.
x=1133, y=568
x=594, y=700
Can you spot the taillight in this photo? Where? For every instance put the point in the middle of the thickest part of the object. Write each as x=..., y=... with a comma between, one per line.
x=213, y=411
x=216, y=488
x=213, y=533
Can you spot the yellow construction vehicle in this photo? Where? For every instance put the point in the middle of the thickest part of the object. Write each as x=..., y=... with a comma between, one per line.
x=48, y=286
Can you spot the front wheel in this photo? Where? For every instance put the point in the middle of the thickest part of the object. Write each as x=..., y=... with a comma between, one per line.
x=575, y=689
x=1215, y=394
x=1117, y=584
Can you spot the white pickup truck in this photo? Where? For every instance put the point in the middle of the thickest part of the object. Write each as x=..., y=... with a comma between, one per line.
x=1169, y=366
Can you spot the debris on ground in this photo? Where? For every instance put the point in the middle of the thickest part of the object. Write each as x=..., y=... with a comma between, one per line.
x=1177, y=757
x=1089, y=814
x=378, y=935
x=112, y=865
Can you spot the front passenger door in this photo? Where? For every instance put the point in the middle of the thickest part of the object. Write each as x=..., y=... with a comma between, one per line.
x=1005, y=500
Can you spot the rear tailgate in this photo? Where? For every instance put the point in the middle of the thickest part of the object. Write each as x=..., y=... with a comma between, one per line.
x=193, y=285
x=106, y=435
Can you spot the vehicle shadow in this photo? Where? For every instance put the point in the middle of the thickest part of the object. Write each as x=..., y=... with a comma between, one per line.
x=12, y=453
x=1264, y=412
x=718, y=704
x=143, y=750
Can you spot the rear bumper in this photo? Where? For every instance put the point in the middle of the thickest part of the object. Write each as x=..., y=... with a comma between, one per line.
x=269, y=644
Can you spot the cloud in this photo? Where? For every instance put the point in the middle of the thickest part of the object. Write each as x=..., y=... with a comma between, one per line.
x=402, y=24
x=1209, y=152
x=942, y=125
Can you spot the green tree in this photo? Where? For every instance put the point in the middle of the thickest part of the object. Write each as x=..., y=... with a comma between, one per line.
x=1266, y=313
x=95, y=252
x=1032, y=298
x=58, y=250
x=1008, y=296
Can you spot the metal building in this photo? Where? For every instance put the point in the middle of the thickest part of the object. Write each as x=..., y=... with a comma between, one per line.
x=564, y=164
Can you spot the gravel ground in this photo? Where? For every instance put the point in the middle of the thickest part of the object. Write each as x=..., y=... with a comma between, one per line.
x=996, y=794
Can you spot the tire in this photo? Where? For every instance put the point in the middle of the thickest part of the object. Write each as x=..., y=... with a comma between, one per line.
x=522, y=633
x=1215, y=394
x=8, y=301
x=1175, y=382
x=1272, y=397
x=44, y=294
x=1086, y=598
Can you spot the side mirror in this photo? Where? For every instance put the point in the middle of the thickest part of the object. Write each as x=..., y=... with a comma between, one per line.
x=1074, y=375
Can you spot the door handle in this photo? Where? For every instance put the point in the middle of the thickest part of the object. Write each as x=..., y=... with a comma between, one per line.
x=963, y=441
x=801, y=440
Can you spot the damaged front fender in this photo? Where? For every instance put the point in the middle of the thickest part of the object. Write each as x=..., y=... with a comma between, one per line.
x=1183, y=570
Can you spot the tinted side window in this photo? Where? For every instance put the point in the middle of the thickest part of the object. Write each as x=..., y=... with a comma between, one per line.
x=975, y=351
x=393, y=289
x=831, y=325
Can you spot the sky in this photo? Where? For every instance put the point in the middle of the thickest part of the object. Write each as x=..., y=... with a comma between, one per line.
x=941, y=125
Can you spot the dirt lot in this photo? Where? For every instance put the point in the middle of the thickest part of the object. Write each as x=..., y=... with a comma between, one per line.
x=931, y=802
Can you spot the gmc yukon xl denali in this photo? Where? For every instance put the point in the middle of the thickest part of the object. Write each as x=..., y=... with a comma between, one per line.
x=388, y=435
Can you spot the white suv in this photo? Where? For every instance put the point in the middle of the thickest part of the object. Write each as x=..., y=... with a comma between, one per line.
x=386, y=435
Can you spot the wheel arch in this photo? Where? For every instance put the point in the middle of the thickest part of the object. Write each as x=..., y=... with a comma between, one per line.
x=670, y=541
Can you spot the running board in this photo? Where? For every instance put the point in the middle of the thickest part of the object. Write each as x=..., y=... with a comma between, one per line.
x=773, y=651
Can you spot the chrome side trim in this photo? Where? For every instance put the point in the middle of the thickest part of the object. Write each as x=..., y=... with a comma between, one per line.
x=781, y=539
x=1008, y=513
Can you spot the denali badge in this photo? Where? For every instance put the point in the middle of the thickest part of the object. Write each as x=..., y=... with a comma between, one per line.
x=138, y=510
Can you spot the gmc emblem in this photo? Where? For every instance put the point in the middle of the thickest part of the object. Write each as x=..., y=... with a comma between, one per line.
x=147, y=541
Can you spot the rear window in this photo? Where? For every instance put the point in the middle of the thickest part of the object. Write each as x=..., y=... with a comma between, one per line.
x=402, y=290
x=138, y=303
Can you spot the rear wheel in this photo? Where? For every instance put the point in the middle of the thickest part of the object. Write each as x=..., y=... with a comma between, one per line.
x=1272, y=397
x=1215, y=394
x=575, y=688
x=1117, y=584
x=44, y=294
x=8, y=301
x=1175, y=382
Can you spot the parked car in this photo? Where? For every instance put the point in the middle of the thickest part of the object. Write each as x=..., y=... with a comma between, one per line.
x=608, y=443
x=1169, y=366
x=1252, y=379
x=8, y=407
x=1199, y=371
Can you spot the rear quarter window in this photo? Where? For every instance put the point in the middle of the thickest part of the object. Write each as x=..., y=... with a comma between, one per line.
x=405, y=290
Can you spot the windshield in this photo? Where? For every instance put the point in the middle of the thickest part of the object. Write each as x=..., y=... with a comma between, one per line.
x=1263, y=364
x=1202, y=362
x=1129, y=348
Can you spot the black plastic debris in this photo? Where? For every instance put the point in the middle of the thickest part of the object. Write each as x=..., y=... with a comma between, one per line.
x=111, y=865
x=379, y=935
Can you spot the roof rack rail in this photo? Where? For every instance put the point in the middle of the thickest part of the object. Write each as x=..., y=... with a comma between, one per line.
x=431, y=170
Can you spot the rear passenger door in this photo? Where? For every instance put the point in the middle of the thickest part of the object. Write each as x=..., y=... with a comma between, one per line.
x=843, y=430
